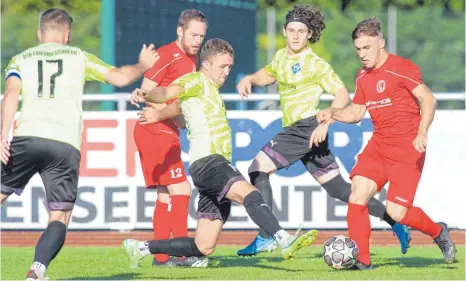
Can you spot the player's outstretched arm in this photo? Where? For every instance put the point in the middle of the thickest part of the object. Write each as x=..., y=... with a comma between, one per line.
x=163, y=94
x=353, y=113
x=152, y=114
x=260, y=78
x=9, y=106
x=127, y=74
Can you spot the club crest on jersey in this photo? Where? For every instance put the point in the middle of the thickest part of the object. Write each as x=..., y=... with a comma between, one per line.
x=381, y=86
x=296, y=68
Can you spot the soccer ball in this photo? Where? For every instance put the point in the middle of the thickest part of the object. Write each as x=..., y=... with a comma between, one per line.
x=340, y=252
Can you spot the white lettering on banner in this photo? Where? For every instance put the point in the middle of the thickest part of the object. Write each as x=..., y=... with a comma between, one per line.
x=112, y=193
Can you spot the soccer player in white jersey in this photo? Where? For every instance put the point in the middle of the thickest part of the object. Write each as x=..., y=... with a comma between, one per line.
x=50, y=77
x=302, y=77
x=218, y=181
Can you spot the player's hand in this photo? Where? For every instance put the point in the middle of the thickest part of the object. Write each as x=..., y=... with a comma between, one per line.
x=5, y=151
x=319, y=135
x=324, y=116
x=137, y=96
x=149, y=115
x=148, y=56
x=244, y=87
x=420, y=143
x=180, y=122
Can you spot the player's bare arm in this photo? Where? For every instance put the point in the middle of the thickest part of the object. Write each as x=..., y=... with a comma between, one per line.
x=260, y=78
x=157, y=95
x=427, y=104
x=352, y=113
x=127, y=74
x=320, y=133
x=9, y=106
x=152, y=114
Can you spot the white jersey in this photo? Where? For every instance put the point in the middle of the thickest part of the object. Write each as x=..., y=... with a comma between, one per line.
x=53, y=77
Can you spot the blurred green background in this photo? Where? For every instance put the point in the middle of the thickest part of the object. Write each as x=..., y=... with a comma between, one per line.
x=429, y=32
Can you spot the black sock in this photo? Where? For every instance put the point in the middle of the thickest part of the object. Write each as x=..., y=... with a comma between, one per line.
x=340, y=189
x=50, y=243
x=261, y=181
x=177, y=247
x=261, y=213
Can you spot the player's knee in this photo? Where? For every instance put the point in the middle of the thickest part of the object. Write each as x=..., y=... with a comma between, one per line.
x=206, y=248
x=395, y=211
x=183, y=188
x=262, y=163
x=60, y=216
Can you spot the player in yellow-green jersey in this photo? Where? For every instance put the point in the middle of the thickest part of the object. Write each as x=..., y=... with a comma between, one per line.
x=50, y=78
x=302, y=78
x=218, y=181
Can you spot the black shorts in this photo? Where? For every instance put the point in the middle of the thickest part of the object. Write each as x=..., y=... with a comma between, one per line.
x=213, y=176
x=56, y=162
x=292, y=144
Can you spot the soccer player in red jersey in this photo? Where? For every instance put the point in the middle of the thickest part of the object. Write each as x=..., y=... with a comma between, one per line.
x=157, y=136
x=402, y=108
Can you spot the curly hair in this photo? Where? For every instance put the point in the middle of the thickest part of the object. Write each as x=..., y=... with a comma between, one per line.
x=313, y=15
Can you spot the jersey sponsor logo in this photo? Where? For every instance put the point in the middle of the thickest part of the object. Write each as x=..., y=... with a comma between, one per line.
x=401, y=199
x=381, y=86
x=286, y=85
x=296, y=68
x=378, y=104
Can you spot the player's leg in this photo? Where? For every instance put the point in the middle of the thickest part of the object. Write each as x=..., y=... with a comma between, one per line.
x=19, y=169
x=322, y=165
x=59, y=172
x=404, y=179
x=281, y=151
x=367, y=177
x=242, y=192
x=211, y=216
x=161, y=221
x=151, y=159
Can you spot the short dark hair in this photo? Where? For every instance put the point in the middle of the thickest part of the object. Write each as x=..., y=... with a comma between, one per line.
x=191, y=14
x=215, y=47
x=368, y=27
x=312, y=15
x=55, y=19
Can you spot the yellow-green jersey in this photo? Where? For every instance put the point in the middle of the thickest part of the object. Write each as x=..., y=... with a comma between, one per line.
x=52, y=78
x=206, y=119
x=302, y=79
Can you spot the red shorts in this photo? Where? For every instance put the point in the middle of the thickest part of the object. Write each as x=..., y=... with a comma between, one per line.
x=399, y=164
x=160, y=155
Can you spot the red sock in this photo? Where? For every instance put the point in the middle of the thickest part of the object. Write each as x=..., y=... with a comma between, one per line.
x=417, y=219
x=359, y=229
x=161, y=224
x=179, y=215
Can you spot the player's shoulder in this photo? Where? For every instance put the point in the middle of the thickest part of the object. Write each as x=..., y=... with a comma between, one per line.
x=361, y=73
x=192, y=77
x=280, y=54
x=169, y=51
x=399, y=63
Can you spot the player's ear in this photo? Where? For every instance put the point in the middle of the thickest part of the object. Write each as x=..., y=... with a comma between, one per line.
x=39, y=35
x=67, y=37
x=309, y=35
x=179, y=31
x=206, y=64
x=284, y=32
x=382, y=43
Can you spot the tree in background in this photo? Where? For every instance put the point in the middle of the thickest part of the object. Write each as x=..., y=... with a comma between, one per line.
x=20, y=21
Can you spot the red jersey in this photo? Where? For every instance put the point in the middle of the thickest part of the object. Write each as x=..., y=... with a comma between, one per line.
x=173, y=63
x=387, y=94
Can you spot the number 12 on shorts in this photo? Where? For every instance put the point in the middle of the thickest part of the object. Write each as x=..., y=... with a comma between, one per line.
x=176, y=173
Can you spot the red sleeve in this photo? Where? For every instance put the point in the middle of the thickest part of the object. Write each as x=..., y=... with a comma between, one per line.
x=359, y=97
x=159, y=69
x=410, y=75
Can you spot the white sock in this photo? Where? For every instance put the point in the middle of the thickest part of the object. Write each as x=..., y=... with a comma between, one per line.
x=144, y=248
x=283, y=238
x=39, y=267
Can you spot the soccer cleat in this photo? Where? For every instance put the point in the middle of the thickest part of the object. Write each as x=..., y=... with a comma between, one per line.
x=299, y=242
x=167, y=263
x=360, y=266
x=445, y=244
x=34, y=274
x=258, y=245
x=402, y=233
x=201, y=262
x=131, y=248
